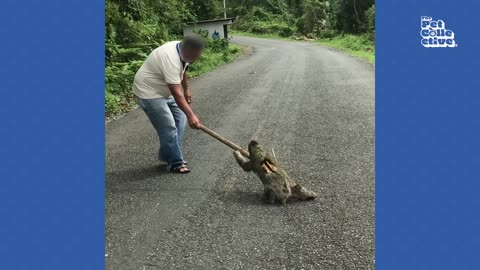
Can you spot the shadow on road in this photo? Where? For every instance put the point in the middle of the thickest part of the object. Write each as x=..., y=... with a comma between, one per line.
x=136, y=174
x=241, y=197
x=253, y=199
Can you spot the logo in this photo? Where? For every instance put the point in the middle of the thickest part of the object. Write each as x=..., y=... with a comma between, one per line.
x=435, y=35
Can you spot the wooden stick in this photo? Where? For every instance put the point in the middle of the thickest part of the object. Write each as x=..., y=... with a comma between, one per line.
x=223, y=140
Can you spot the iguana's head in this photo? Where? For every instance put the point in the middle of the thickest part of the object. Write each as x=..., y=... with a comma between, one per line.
x=256, y=152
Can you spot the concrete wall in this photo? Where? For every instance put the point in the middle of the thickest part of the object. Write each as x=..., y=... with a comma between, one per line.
x=210, y=27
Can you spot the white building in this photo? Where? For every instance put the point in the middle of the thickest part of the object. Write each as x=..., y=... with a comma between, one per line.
x=216, y=28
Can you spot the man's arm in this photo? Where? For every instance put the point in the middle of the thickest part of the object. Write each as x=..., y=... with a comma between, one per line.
x=177, y=93
x=185, y=81
x=186, y=88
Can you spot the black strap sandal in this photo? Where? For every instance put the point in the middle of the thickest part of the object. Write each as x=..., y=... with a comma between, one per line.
x=180, y=169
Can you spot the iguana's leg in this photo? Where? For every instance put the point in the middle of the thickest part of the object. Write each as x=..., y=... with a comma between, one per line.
x=243, y=162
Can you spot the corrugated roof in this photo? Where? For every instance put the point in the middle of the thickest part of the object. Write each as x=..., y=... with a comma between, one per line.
x=213, y=20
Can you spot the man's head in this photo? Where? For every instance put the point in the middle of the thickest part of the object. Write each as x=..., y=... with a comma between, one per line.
x=192, y=46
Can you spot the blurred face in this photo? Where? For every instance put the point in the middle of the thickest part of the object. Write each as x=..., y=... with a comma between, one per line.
x=190, y=55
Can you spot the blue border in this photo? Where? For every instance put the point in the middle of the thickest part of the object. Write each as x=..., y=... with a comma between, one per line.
x=52, y=169
x=52, y=134
x=427, y=139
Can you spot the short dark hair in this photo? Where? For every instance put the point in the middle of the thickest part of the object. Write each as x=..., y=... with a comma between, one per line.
x=193, y=41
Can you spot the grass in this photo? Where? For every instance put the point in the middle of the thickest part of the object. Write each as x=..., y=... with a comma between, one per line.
x=359, y=46
x=211, y=60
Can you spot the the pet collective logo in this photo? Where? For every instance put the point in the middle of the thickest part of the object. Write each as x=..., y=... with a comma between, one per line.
x=435, y=35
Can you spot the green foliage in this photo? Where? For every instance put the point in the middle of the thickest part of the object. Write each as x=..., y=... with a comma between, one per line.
x=355, y=42
x=328, y=33
x=216, y=53
x=112, y=102
x=315, y=17
x=370, y=19
x=286, y=31
x=234, y=49
x=217, y=45
x=358, y=45
x=300, y=25
x=369, y=24
x=213, y=45
x=312, y=18
x=259, y=14
x=267, y=20
x=207, y=9
x=345, y=24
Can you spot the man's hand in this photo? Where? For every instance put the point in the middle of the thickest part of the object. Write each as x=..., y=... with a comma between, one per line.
x=188, y=96
x=194, y=122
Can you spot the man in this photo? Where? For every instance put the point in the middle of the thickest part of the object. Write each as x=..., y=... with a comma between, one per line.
x=162, y=91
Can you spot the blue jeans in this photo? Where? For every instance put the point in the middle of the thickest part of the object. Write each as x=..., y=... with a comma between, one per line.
x=169, y=121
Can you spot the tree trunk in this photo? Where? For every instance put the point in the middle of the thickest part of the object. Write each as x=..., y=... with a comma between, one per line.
x=356, y=13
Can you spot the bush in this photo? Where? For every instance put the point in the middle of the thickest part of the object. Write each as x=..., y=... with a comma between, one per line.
x=260, y=28
x=370, y=19
x=328, y=34
x=217, y=45
x=234, y=50
x=300, y=24
x=279, y=28
x=286, y=31
x=259, y=13
x=112, y=102
x=261, y=21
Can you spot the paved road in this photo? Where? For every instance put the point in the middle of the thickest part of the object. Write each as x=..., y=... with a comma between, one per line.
x=315, y=107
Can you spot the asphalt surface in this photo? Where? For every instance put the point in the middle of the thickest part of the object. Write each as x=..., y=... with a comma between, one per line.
x=315, y=107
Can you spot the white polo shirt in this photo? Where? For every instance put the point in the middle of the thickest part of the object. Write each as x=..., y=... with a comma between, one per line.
x=163, y=66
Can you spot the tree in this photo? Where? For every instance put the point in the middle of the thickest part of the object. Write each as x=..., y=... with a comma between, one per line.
x=208, y=9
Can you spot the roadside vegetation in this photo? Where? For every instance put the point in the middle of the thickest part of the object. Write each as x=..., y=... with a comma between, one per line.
x=358, y=46
x=348, y=25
